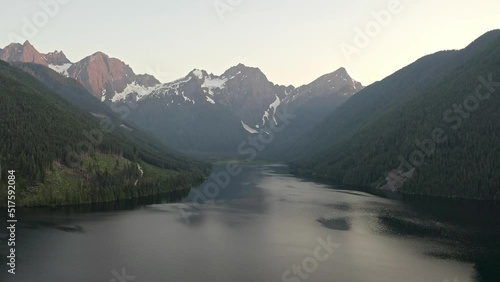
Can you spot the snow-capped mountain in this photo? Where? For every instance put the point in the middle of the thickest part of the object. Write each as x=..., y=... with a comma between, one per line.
x=57, y=61
x=106, y=77
x=101, y=75
x=246, y=92
x=201, y=111
x=26, y=53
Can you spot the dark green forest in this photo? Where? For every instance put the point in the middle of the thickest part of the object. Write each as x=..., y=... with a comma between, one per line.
x=465, y=163
x=59, y=157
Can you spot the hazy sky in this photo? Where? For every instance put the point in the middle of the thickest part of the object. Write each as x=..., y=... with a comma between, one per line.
x=291, y=41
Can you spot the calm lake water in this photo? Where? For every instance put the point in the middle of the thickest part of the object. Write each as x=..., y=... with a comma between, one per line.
x=265, y=226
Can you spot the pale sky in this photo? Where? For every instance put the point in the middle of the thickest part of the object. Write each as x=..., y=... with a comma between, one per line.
x=291, y=41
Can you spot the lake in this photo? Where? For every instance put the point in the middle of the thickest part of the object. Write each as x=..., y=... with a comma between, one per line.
x=266, y=225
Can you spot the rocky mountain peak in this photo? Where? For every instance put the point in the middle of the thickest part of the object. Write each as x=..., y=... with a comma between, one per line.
x=244, y=71
x=101, y=74
x=108, y=77
x=336, y=80
x=342, y=71
x=57, y=58
x=147, y=80
x=199, y=74
x=26, y=53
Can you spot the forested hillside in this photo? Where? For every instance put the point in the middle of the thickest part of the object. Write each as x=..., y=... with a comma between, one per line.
x=61, y=158
x=68, y=88
x=72, y=91
x=377, y=99
x=444, y=140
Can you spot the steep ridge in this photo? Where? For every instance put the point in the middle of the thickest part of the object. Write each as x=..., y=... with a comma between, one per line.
x=441, y=140
x=367, y=105
x=101, y=75
x=104, y=76
x=67, y=88
x=58, y=62
x=16, y=52
x=311, y=104
x=49, y=168
x=195, y=111
x=56, y=58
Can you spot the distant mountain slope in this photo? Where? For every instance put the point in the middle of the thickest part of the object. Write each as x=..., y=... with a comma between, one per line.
x=373, y=101
x=68, y=88
x=310, y=105
x=98, y=73
x=72, y=91
x=392, y=148
x=210, y=113
x=42, y=136
x=16, y=52
x=200, y=112
x=104, y=76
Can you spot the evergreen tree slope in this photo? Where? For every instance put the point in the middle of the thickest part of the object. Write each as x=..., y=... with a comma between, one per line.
x=36, y=129
x=465, y=165
x=373, y=101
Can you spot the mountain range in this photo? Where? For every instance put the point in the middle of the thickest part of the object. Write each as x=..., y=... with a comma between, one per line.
x=408, y=132
x=98, y=72
x=191, y=113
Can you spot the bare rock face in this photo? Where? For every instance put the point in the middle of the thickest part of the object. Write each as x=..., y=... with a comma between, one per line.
x=147, y=80
x=56, y=58
x=250, y=93
x=25, y=53
x=104, y=76
x=337, y=85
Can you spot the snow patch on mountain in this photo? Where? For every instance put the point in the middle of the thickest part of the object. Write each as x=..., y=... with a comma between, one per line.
x=248, y=128
x=61, y=69
x=233, y=76
x=171, y=88
x=210, y=100
x=175, y=84
x=213, y=83
x=271, y=111
x=131, y=88
x=174, y=88
x=198, y=73
x=354, y=83
x=275, y=104
x=185, y=98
